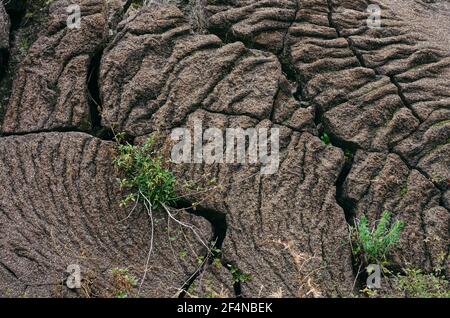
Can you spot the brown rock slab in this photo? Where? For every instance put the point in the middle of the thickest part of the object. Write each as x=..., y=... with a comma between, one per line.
x=381, y=90
x=4, y=28
x=379, y=182
x=50, y=89
x=285, y=230
x=59, y=205
x=302, y=67
x=156, y=71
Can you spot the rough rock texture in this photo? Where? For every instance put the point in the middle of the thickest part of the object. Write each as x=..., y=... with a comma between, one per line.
x=304, y=67
x=4, y=28
x=50, y=89
x=59, y=206
x=379, y=90
x=4, y=36
x=379, y=182
x=180, y=77
x=168, y=73
x=269, y=233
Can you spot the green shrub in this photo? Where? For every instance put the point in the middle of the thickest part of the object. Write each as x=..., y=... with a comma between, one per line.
x=416, y=284
x=374, y=245
x=145, y=175
x=412, y=283
x=150, y=184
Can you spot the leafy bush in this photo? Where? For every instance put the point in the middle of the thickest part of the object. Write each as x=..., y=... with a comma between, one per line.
x=416, y=284
x=145, y=175
x=374, y=245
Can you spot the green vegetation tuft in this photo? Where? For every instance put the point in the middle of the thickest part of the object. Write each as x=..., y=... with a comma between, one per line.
x=375, y=245
x=325, y=139
x=416, y=284
x=123, y=282
x=442, y=123
x=238, y=276
x=145, y=175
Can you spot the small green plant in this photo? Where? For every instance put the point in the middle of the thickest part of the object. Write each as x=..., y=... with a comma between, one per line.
x=121, y=294
x=24, y=45
x=437, y=178
x=145, y=175
x=416, y=284
x=325, y=139
x=374, y=245
x=136, y=5
x=442, y=123
x=149, y=183
x=123, y=281
x=347, y=154
x=238, y=276
x=217, y=263
x=29, y=15
x=200, y=260
x=404, y=190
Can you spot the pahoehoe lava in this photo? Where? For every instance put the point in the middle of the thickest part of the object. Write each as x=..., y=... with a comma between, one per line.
x=306, y=67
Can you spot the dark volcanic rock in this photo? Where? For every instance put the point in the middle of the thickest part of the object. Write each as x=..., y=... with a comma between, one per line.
x=412, y=50
x=156, y=75
x=382, y=90
x=270, y=233
x=50, y=90
x=59, y=205
x=156, y=71
x=259, y=23
x=379, y=182
x=303, y=67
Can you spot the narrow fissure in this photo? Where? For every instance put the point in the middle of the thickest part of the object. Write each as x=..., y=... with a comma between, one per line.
x=118, y=16
x=4, y=59
x=349, y=149
x=346, y=204
x=403, y=98
x=94, y=96
x=283, y=44
x=94, y=91
x=283, y=56
x=219, y=225
x=94, y=99
x=16, y=16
